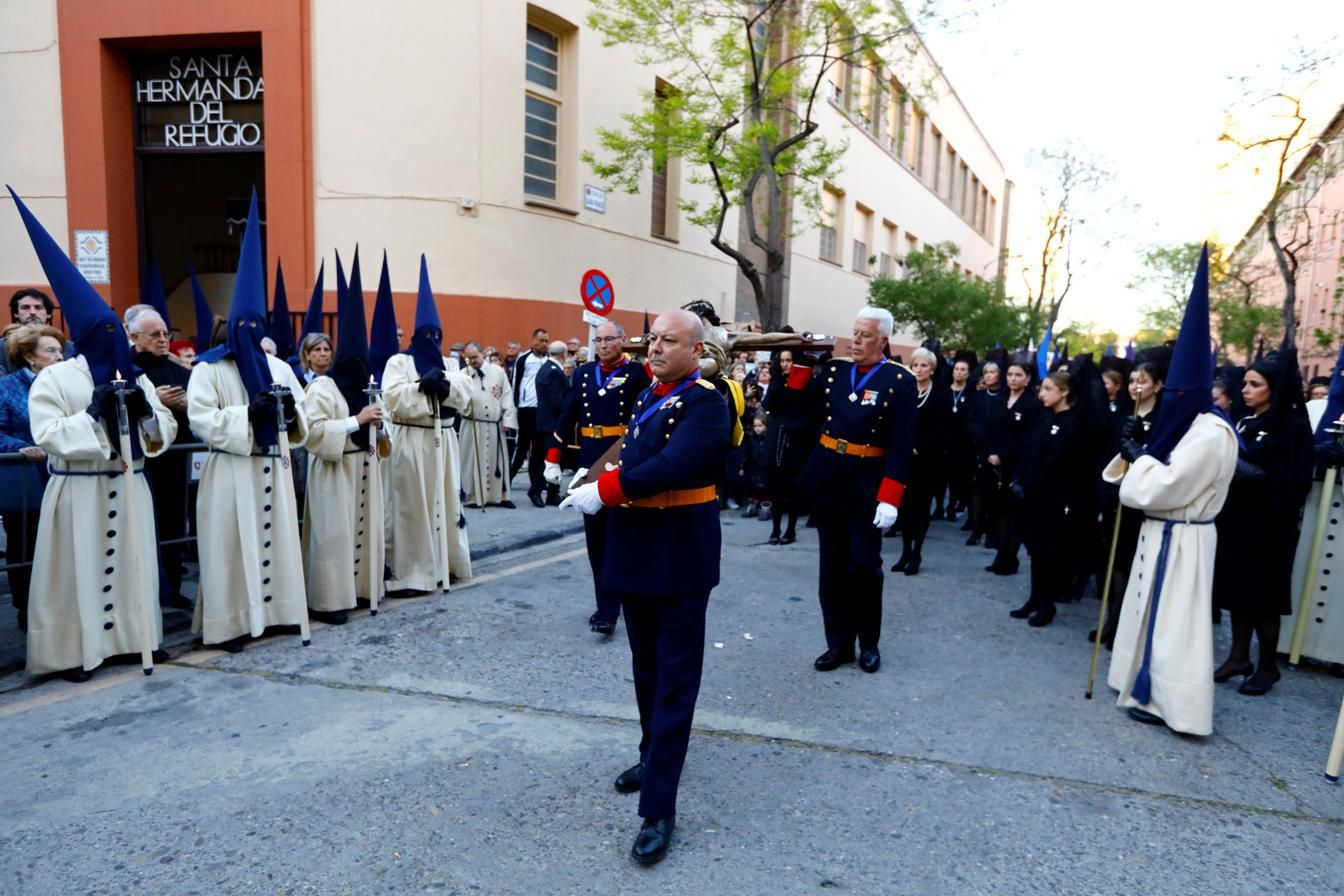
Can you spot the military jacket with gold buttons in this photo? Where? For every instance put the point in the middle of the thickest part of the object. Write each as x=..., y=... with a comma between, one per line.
x=598, y=403
x=880, y=413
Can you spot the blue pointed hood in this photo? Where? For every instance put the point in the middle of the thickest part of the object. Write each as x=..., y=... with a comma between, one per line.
x=94, y=327
x=1334, y=402
x=247, y=323
x=312, y=318
x=1187, y=391
x=383, y=342
x=350, y=367
x=281, y=329
x=151, y=292
x=342, y=287
x=427, y=342
x=205, y=317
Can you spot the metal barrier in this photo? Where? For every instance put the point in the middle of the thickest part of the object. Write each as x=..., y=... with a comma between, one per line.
x=25, y=502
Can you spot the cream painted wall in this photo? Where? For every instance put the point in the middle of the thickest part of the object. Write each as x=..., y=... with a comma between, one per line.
x=32, y=157
x=418, y=111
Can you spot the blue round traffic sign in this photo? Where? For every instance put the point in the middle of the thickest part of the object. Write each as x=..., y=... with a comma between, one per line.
x=597, y=292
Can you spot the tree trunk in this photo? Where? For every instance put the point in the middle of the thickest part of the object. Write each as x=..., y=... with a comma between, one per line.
x=1288, y=271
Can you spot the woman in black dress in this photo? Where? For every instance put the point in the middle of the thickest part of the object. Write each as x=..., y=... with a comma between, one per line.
x=959, y=452
x=1048, y=485
x=1010, y=425
x=789, y=437
x=926, y=467
x=987, y=480
x=1258, y=525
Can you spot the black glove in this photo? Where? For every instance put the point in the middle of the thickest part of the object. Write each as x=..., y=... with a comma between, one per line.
x=291, y=408
x=433, y=383
x=1131, y=450
x=103, y=405
x=1248, y=470
x=1131, y=430
x=1331, y=453
x=261, y=410
x=137, y=405
x=1015, y=489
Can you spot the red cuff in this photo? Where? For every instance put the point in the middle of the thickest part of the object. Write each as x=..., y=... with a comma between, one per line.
x=609, y=489
x=890, y=491
x=553, y=455
x=798, y=377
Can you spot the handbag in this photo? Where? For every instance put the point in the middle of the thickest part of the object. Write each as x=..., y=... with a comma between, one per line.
x=21, y=485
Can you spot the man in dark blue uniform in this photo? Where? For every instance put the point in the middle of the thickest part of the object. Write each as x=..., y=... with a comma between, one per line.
x=600, y=398
x=662, y=557
x=854, y=479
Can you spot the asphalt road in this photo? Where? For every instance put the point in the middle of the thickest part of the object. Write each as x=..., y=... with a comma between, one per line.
x=466, y=743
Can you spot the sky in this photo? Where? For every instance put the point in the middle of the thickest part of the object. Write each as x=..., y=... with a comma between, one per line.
x=1145, y=88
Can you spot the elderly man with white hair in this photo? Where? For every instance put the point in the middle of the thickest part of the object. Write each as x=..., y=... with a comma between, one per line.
x=865, y=408
x=552, y=396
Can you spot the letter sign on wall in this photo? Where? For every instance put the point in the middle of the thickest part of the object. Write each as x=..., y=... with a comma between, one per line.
x=201, y=100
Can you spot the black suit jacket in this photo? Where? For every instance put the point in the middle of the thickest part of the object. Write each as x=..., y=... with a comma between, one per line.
x=552, y=396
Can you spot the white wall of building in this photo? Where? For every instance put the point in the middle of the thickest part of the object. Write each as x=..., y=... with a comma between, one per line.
x=32, y=155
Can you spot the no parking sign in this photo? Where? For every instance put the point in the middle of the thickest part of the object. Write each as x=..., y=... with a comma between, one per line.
x=597, y=292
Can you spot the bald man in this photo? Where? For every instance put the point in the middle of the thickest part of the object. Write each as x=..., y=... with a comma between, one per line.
x=662, y=558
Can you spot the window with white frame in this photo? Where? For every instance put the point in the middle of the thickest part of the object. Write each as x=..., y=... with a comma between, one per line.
x=541, y=128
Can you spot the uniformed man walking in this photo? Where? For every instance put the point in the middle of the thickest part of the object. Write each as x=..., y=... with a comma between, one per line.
x=662, y=558
x=867, y=413
x=600, y=398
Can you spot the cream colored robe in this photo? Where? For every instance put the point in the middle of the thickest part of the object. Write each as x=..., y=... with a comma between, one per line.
x=1192, y=487
x=418, y=506
x=343, y=511
x=93, y=562
x=485, y=459
x=246, y=513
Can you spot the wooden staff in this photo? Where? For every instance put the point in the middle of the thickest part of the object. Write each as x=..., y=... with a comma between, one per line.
x=1105, y=597
x=440, y=490
x=372, y=391
x=1336, y=749
x=280, y=392
x=133, y=522
x=1314, y=557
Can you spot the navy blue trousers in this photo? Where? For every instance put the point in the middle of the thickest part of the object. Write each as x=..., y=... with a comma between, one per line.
x=595, y=533
x=849, y=580
x=667, y=653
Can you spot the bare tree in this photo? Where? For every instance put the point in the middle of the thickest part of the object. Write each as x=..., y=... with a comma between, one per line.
x=1067, y=196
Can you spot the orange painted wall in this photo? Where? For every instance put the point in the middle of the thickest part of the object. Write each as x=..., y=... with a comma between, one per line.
x=96, y=109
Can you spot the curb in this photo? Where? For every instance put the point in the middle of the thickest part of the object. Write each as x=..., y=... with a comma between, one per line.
x=539, y=537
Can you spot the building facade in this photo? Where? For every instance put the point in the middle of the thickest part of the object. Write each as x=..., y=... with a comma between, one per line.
x=449, y=129
x=1311, y=226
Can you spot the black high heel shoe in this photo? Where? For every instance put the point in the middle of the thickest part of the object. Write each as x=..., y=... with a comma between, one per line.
x=1231, y=669
x=973, y=539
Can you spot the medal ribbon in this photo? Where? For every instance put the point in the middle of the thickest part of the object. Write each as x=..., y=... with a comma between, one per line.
x=854, y=372
x=613, y=376
x=664, y=401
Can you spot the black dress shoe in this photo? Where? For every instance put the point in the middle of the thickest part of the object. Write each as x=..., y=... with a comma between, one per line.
x=233, y=645
x=653, y=839
x=773, y=539
x=1231, y=669
x=330, y=617
x=76, y=676
x=160, y=656
x=870, y=660
x=832, y=659
x=1042, y=618
x=900, y=565
x=604, y=627
x=536, y=500
x=1259, y=684
x=508, y=505
x=973, y=538
x=1142, y=715
x=630, y=780
x=912, y=568
x=1023, y=611
x=788, y=538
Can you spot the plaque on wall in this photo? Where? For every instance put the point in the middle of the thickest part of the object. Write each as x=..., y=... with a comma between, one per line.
x=199, y=101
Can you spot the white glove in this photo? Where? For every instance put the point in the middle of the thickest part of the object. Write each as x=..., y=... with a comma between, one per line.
x=585, y=498
x=886, y=515
x=577, y=481
x=552, y=473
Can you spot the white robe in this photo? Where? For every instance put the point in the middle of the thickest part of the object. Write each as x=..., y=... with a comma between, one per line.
x=1193, y=486
x=485, y=459
x=422, y=510
x=343, y=512
x=246, y=513
x=93, y=563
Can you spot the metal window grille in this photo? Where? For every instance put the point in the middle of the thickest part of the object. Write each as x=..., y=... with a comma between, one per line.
x=860, y=256
x=828, y=248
